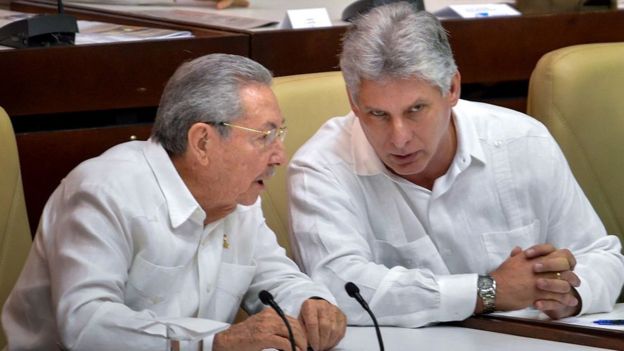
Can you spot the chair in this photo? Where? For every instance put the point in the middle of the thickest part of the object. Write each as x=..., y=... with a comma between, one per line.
x=306, y=101
x=577, y=93
x=15, y=236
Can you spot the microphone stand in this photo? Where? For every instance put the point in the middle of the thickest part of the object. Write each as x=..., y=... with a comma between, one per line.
x=267, y=299
x=354, y=292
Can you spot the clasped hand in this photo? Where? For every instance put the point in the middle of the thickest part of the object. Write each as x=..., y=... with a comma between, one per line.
x=541, y=276
x=320, y=325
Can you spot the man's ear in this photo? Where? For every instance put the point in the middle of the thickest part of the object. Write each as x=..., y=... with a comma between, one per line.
x=199, y=138
x=354, y=106
x=455, y=90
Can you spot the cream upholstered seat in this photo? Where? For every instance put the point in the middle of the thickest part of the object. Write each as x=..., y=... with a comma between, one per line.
x=306, y=101
x=15, y=237
x=578, y=92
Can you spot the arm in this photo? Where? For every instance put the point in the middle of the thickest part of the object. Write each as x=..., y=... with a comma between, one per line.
x=323, y=324
x=575, y=233
x=334, y=243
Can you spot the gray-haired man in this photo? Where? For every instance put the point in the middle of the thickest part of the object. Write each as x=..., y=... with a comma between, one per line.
x=169, y=232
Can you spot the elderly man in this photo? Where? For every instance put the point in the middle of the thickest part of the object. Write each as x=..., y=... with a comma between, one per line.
x=436, y=207
x=168, y=234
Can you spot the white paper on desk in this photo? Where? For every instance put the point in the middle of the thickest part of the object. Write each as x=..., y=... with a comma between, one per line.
x=477, y=11
x=204, y=18
x=306, y=18
x=583, y=321
x=100, y=32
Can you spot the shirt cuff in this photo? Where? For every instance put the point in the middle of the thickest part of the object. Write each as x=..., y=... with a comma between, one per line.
x=208, y=341
x=584, y=291
x=458, y=296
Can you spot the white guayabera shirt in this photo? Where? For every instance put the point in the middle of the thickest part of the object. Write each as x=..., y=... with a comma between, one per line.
x=415, y=253
x=122, y=250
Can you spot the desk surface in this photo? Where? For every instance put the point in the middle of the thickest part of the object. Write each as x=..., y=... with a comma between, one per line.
x=447, y=338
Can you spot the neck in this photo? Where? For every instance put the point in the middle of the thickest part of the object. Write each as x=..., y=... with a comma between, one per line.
x=440, y=162
x=203, y=194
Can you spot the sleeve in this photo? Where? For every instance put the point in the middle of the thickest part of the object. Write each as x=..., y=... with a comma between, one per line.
x=330, y=235
x=573, y=224
x=89, y=253
x=280, y=276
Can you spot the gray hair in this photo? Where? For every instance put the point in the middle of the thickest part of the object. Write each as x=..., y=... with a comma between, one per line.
x=206, y=89
x=396, y=41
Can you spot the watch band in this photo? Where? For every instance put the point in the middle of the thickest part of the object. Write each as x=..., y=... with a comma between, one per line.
x=486, y=288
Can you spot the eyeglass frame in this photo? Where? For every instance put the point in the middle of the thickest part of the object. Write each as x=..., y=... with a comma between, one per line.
x=271, y=135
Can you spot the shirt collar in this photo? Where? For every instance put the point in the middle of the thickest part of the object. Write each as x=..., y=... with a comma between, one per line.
x=367, y=163
x=181, y=204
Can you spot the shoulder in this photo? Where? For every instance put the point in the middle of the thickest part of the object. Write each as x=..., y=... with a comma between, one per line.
x=120, y=171
x=329, y=144
x=496, y=125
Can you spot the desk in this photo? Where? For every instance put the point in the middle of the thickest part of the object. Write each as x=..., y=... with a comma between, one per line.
x=447, y=338
x=114, y=85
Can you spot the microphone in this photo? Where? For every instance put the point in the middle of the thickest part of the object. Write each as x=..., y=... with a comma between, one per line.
x=267, y=299
x=354, y=292
x=40, y=30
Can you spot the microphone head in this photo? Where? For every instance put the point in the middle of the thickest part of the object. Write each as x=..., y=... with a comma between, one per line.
x=265, y=297
x=352, y=289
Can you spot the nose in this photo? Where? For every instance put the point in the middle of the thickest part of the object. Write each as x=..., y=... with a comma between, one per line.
x=400, y=133
x=278, y=153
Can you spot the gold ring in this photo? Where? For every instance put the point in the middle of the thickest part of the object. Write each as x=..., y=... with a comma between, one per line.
x=558, y=275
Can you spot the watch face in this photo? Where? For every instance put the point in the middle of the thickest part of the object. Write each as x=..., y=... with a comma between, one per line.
x=484, y=282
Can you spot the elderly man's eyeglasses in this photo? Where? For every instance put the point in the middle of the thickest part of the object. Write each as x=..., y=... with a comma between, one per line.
x=268, y=136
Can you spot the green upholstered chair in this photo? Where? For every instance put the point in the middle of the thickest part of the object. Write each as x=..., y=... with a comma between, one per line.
x=306, y=101
x=15, y=237
x=578, y=93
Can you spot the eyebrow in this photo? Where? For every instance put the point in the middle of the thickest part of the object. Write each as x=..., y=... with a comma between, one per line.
x=272, y=125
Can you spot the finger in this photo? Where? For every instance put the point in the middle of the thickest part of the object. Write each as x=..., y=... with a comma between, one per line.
x=309, y=320
x=327, y=325
x=516, y=250
x=298, y=333
x=556, y=264
x=278, y=342
x=558, y=286
x=539, y=250
x=567, y=299
x=571, y=278
x=338, y=330
x=554, y=305
x=570, y=257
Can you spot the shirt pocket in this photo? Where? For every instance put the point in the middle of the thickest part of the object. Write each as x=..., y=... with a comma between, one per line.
x=499, y=244
x=151, y=285
x=420, y=253
x=232, y=283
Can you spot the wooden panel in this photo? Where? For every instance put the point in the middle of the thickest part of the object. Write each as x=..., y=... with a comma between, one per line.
x=287, y=52
x=47, y=157
x=507, y=49
x=99, y=77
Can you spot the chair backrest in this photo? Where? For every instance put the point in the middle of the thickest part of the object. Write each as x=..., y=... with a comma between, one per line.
x=578, y=93
x=15, y=236
x=306, y=101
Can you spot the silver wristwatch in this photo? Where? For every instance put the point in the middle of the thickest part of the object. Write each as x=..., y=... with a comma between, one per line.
x=486, y=288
